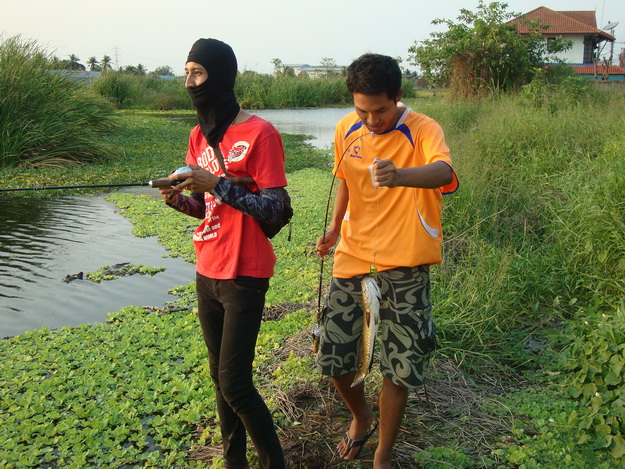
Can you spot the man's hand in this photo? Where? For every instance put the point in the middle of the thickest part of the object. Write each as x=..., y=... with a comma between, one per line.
x=168, y=193
x=386, y=174
x=428, y=176
x=326, y=242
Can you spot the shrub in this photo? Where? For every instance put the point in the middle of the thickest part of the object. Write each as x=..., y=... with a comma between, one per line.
x=558, y=88
x=258, y=91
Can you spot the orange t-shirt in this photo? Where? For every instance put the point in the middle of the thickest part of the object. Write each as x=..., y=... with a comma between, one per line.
x=389, y=227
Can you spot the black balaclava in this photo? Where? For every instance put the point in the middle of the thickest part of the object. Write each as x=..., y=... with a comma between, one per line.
x=214, y=100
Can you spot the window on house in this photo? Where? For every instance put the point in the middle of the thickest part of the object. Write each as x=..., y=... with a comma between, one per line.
x=589, y=50
x=550, y=43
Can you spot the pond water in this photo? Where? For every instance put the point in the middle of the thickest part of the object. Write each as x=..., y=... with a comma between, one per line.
x=46, y=239
x=43, y=240
x=319, y=123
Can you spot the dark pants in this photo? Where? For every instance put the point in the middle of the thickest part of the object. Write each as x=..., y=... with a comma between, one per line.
x=230, y=313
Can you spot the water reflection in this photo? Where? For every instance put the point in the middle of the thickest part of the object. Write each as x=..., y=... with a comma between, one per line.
x=45, y=239
x=318, y=123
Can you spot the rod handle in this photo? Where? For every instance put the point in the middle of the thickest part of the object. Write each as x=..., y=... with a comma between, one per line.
x=163, y=183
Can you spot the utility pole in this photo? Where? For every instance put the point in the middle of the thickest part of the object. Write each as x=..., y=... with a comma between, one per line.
x=610, y=27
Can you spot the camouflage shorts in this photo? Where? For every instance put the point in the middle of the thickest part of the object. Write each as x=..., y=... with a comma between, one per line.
x=407, y=334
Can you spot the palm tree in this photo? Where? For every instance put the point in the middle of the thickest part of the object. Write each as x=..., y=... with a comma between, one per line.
x=93, y=64
x=141, y=70
x=106, y=63
x=74, y=63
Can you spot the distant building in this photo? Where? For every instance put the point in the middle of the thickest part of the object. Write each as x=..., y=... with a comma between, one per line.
x=81, y=76
x=312, y=72
x=588, y=42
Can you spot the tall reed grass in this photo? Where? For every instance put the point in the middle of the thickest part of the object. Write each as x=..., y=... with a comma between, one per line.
x=46, y=118
x=536, y=232
x=144, y=92
x=253, y=90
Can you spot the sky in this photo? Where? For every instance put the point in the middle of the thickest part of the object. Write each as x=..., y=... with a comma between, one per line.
x=157, y=33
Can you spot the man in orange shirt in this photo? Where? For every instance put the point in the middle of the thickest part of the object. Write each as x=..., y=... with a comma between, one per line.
x=393, y=166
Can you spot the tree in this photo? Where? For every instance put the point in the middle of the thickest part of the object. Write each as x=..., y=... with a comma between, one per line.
x=330, y=64
x=163, y=70
x=277, y=65
x=106, y=63
x=482, y=52
x=621, y=58
x=74, y=64
x=93, y=64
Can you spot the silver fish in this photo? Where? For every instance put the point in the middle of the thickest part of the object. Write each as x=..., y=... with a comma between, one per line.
x=371, y=307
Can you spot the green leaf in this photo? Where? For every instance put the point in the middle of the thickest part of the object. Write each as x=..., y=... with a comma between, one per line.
x=618, y=448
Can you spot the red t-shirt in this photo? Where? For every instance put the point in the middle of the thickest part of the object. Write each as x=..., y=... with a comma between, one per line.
x=229, y=243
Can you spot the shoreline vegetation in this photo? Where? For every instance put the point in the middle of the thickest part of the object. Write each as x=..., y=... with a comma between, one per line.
x=528, y=303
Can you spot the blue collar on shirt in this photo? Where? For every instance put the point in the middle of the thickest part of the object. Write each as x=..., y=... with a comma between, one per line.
x=400, y=126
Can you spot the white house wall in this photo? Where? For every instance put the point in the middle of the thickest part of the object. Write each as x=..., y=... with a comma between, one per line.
x=574, y=55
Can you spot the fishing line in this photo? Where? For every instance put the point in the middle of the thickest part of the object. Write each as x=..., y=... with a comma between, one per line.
x=373, y=271
x=325, y=226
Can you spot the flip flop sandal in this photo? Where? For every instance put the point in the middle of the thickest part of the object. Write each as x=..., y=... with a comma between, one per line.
x=357, y=442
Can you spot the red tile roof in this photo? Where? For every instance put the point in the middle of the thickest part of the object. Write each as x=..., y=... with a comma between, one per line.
x=590, y=69
x=586, y=17
x=562, y=22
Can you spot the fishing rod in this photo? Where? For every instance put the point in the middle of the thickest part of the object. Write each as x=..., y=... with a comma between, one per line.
x=240, y=180
x=155, y=183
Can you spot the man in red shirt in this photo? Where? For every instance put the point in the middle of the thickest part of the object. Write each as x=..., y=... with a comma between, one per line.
x=234, y=257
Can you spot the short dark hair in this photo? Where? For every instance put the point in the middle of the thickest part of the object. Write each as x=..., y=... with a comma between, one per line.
x=373, y=74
